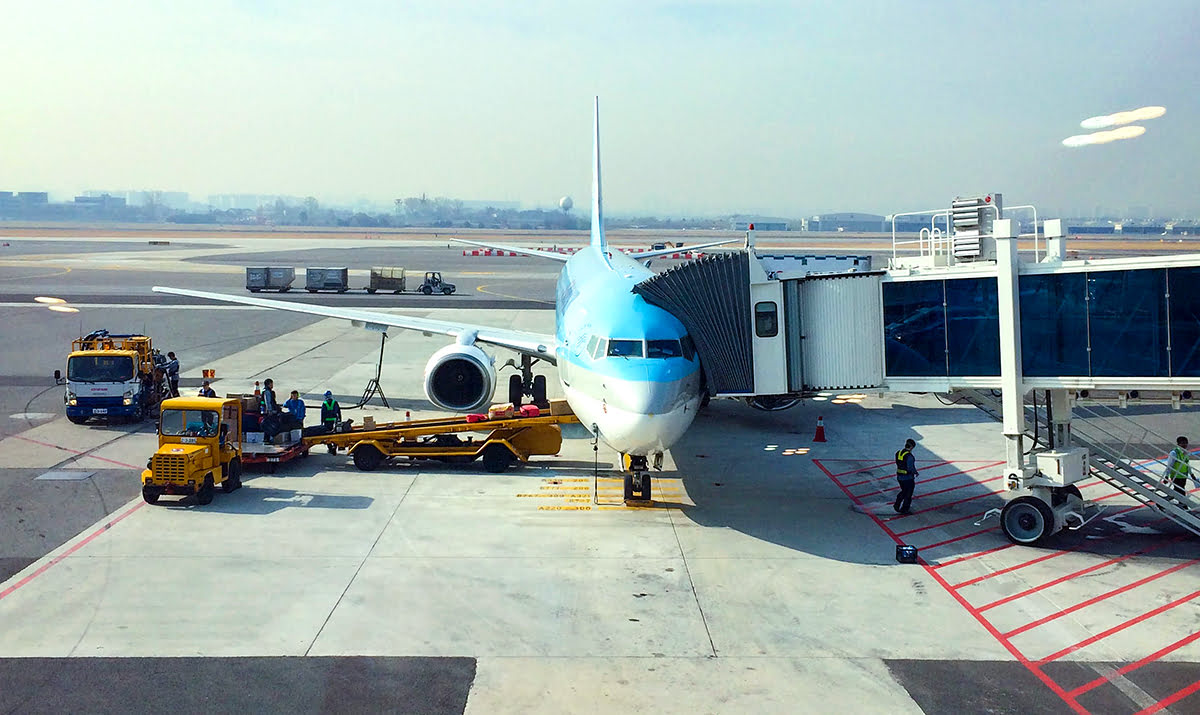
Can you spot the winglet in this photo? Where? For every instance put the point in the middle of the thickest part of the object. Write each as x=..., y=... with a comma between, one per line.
x=599, y=242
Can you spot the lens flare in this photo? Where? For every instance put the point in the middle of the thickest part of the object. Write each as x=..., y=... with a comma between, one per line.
x=1116, y=119
x=1111, y=135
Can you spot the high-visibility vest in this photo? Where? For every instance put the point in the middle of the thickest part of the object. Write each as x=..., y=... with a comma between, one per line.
x=900, y=457
x=1180, y=469
x=328, y=410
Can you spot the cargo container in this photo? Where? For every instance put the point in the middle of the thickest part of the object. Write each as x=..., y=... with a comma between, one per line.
x=270, y=278
x=334, y=279
x=386, y=279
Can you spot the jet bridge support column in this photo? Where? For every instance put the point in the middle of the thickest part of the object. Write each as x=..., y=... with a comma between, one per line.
x=1060, y=420
x=1012, y=380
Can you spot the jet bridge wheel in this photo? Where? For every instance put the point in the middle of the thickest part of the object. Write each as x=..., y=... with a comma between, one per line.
x=1027, y=520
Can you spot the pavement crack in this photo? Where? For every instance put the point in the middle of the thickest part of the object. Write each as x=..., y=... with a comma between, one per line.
x=353, y=578
x=692, y=584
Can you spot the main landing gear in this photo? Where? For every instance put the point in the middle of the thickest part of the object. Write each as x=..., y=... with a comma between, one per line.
x=527, y=384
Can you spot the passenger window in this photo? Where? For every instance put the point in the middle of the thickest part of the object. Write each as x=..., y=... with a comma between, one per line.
x=689, y=348
x=766, y=319
x=662, y=349
x=624, y=348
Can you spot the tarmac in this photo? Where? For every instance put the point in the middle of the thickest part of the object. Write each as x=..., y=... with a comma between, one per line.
x=763, y=577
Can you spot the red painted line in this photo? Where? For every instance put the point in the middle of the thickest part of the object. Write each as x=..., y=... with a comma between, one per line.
x=934, y=479
x=863, y=469
x=934, y=526
x=1136, y=664
x=976, y=555
x=1016, y=653
x=52, y=562
x=960, y=538
x=1101, y=597
x=1119, y=627
x=1171, y=699
x=951, y=503
x=1010, y=569
x=74, y=451
x=1081, y=572
x=889, y=476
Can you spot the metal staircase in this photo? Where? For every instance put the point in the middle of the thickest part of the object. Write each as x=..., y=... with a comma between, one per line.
x=1124, y=454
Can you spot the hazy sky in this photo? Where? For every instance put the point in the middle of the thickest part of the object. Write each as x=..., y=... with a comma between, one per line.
x=788, y=108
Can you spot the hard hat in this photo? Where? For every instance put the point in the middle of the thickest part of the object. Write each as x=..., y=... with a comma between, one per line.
x=328, y=393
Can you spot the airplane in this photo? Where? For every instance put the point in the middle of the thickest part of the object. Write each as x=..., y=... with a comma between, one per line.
x=628, y=369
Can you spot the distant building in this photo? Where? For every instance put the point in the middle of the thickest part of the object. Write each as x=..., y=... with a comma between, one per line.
x=849, y=222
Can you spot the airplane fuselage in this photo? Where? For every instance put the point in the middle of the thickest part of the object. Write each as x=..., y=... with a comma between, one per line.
x=627, y=367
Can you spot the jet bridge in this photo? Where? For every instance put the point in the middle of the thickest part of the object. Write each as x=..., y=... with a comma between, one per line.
x=958, y=308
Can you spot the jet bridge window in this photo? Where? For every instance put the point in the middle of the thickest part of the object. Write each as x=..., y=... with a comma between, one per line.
x=766, y=319
x=624, y=348
x=663, y=349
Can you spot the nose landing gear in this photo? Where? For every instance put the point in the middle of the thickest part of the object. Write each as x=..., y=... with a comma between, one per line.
x=637, y=480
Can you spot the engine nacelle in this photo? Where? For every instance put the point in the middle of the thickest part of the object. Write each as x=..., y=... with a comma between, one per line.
x=460, y=378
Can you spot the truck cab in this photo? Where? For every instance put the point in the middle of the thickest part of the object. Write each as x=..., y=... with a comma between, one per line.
x=199, y=449
x=112, y=377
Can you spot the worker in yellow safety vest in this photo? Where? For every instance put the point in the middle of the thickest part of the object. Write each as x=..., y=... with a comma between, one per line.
x=906, y=475
x=1178, y=469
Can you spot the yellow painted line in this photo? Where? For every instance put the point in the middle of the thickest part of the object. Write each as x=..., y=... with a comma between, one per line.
x=62, y=272
x=513, y=297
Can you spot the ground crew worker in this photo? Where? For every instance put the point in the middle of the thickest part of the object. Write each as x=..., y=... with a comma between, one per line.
x=172, y=368
x=295, y=407
x=207, y=391
x=906, y=475
x=267, y=404
x=331, y=415
x=1178, y=470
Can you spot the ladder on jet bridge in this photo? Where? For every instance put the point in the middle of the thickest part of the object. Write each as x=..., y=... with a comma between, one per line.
x=1124, y=455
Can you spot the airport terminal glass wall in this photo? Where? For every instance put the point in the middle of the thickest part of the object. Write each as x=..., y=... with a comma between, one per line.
x=1143, y=323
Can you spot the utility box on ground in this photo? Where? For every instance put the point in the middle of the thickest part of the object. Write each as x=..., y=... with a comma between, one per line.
x=333, y=279
x=278, y=278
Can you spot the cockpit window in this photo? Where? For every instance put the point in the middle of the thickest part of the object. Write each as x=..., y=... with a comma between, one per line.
x=663, y=349
x=624, y=348
x=598, y=348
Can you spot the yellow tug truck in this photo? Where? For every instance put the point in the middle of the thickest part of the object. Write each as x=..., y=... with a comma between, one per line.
x=199, y=449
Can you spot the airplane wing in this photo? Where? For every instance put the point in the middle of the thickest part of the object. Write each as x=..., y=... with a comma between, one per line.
x=535, y=344
x=669, y=251
x=561, y=257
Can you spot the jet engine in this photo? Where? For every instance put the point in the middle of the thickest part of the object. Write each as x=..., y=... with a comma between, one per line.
x=460, y=378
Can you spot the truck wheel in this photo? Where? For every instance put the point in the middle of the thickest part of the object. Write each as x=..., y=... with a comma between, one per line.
x=539, y=391
x=371, y=291
x=514, y=390
x=204, y=497
x=255, y=290
x=233, y=476
x=312, y=290
x=368, y=457
x=77, y=420
x=1026, y=520
x=496, y=458
x=427, y=290
x=139, y=415
x=150, y=495
x=447, y=291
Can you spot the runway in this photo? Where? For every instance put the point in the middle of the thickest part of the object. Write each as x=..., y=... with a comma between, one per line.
x=762, y=580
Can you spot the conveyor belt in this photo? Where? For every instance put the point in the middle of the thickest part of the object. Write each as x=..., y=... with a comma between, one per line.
x=711, y=297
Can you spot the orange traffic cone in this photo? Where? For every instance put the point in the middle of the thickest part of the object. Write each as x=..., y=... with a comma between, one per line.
x=257, y=392
x=820, y=435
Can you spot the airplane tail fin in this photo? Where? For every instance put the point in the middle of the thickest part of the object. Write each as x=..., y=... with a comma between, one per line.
x=599, y=242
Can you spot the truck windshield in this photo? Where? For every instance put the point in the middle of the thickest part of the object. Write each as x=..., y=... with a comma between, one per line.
x=100, y=368
x=189, y=423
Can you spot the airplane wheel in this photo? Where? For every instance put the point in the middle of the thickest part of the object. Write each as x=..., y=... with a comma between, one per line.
x=496, y=458
x=539, y=391
x=1026, y=520
x=514, y=390
x=368, y=457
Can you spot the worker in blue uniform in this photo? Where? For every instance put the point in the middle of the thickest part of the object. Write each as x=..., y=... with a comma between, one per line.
x=906, y=475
